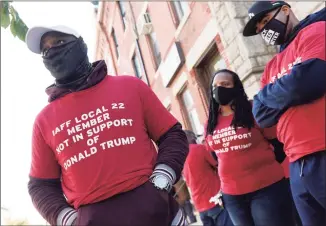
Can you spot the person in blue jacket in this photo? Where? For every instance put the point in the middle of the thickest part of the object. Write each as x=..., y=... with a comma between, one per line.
x=293, y=98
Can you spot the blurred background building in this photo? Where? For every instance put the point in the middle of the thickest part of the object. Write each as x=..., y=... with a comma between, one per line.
x=175, y=47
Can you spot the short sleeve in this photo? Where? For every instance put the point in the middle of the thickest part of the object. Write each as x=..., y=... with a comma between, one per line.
x=157, y=118
x=44, y=164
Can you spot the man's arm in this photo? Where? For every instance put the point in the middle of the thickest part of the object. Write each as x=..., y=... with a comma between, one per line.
x=166, y=132
x=172, y=153
x=47, y=197
x=44, y=185
x=304, y=84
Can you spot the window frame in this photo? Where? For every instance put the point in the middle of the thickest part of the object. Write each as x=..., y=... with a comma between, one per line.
x=115, y=42
x=138, y=73
x=186, y=112
x=176, y=10
x=155, y=50
x=122, y=12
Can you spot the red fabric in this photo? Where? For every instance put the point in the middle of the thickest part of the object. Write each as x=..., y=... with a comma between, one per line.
x=201, y=176
x=286, y=167
x=246, y=160
x=116, y=153
x=301, y=128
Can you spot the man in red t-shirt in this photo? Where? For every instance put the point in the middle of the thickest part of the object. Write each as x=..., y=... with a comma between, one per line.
x=93, y=157
x=201, y=177
x=293, y=97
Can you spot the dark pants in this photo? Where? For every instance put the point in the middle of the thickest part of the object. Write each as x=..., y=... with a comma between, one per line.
x=295, y=213
x=267, y=206
x=308, y=185
x=215, y=217
x=143, y=206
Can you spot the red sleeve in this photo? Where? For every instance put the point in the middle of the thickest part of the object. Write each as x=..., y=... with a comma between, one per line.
x=157, y=118
x=185, y=172
x=263, y=80
x=44, y=164
x=311, y=43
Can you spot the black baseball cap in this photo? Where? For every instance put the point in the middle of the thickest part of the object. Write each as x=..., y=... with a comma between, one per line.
x=257, y=11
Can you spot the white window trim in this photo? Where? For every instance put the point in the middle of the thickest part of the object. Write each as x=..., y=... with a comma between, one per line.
x=143, y=11
x=179, y=85
x=132, y=50
x=182, y=22
x=167, y=102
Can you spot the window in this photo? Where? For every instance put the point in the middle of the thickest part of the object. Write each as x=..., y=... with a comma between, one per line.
x=122, y=14
x=137, y=66
x=108, y=60
x=116, y=45
x=191, y=112
x=155, y=49
x=210, y=64
x=179, y=9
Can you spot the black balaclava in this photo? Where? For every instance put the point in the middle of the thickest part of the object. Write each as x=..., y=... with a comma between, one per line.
x=68, y=62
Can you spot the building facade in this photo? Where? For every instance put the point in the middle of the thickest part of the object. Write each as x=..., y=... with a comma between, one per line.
x=175, y=48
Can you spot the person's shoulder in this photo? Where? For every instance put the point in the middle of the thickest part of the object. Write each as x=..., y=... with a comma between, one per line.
x=45, y=112
x=312, y=30
x=317, y=26
x=125, y=79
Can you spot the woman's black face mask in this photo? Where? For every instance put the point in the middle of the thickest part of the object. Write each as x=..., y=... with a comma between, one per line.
x=223, y=95
x=67, y=60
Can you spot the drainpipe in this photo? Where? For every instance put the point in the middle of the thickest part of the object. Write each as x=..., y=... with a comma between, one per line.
x=134, y=27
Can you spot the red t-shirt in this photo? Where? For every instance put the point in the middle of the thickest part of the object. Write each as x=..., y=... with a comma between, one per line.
x=300, y=128
x=201, y=176
x=99, y=139
x=246, y=161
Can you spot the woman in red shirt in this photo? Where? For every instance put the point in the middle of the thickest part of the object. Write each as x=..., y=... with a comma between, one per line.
x=252, y=181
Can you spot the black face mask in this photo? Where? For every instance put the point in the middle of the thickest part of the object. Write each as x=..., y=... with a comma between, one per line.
x=274, y=31
x=224, y=96
x=68, y=62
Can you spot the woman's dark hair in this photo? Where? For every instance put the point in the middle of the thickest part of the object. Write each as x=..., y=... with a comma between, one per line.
x=240, y=105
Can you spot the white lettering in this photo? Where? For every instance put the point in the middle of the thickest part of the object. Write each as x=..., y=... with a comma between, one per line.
x=117, y=142
x=79, y=157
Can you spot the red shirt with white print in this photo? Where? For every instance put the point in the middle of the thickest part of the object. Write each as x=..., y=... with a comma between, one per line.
x=99, y=139
x=201, y=176
x=300, y=128
x=246, y=161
